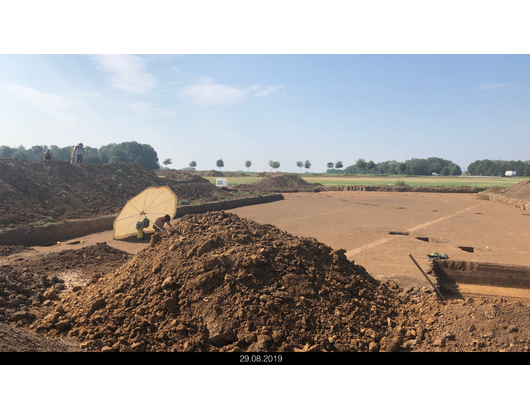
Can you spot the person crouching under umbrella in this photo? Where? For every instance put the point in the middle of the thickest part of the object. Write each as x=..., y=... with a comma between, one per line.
x=161, y=222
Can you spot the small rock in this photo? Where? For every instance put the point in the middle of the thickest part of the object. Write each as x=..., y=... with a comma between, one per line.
x=63, y=325
x=490, y=314
x=76, y=288
x=106, y=349
x=472, y=328
x=448, y=335
x=373, y=347
x=99, y=343
x=3, y=302
x=512, y=329
x=84, y=345
x=50, y=294
x=167, y=283
x=439, y=342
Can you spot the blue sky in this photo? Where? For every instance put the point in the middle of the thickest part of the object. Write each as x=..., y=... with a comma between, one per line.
x=284, y=107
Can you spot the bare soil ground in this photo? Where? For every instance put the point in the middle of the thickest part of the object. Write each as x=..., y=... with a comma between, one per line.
x=220, y=283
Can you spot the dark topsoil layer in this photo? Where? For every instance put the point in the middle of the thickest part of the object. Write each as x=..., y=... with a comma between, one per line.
x=49, y=191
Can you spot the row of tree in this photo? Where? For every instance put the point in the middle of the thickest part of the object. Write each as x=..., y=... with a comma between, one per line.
x=115, y=152
x=409, y=167
x=498, y=167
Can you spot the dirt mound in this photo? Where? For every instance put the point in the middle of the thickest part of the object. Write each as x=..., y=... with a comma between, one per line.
x=218, y=282
x=50, y=191
x=14, y=339
x=184, y=176
x=520, y=191
x=260, y=174
x=24, y=287
x=281, y=182
x=212, y=173
x=6, y=250
x=438, y=189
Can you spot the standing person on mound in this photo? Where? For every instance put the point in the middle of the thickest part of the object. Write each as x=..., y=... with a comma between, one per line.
x=79, y=152
x=160, y=222
x=47, y=155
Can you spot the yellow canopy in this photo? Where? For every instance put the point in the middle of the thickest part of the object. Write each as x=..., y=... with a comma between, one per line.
x=153, y=202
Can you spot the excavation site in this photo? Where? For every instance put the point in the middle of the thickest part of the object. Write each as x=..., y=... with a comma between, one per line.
x=280, y=265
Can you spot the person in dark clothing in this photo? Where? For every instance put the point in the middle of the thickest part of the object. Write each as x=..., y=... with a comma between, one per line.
x=79, y=151
x=48, y=155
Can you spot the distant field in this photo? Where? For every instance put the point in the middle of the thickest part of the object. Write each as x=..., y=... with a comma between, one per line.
x=415, y=181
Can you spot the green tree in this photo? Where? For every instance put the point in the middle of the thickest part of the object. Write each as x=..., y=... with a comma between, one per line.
x=6, y=152
x=248, y=164
x=402, y=168
x=455, y=170
x=446, y=171
x=370, y=165
x=275, y=165
x=300, y=165
x=219, y=163
x=307, y=165
x=361, y=165
x=114, y=159
x=192, y=164
x=167, y=162
x=91, y=155
x=330, y=165
x=339, y=165
x=140, y=160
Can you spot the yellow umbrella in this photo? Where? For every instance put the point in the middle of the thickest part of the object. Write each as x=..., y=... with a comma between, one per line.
x=153, y=202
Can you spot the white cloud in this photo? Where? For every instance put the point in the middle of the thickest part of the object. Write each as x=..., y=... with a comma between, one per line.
x=267, y=91
x=50, y=104
x=148, y=109
x=207, y=93
x=491, y=86
x=127, y=73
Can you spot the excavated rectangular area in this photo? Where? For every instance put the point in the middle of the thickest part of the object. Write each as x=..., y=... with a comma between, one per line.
x=485, y=274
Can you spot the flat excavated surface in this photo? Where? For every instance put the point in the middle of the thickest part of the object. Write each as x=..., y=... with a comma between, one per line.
x=360, y=223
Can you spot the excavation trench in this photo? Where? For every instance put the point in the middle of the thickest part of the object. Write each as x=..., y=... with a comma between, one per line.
x=70, y=229
x=459, y=278
x=435, y=240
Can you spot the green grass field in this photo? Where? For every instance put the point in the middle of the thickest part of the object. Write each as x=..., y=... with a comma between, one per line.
x=415, y=181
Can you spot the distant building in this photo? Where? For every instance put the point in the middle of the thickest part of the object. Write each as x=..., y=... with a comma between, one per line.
x=511, y=173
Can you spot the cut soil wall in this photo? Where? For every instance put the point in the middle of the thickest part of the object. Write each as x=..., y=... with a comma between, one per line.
x=519, y=204
x=487, y=274
x=61, y=231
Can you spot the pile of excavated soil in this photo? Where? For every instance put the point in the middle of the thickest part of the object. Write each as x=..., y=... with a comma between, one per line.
x=50, y=191
x=27, y=285
x=439, y=189
x=194, y=188
x=225, y=174
x=13, y=339
x=282, y=182
x=218, y=282
x=6, y=250
x=212, y=173
x=517, y=195
x=260, y=174
x=184, y=176
x=519, y=191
